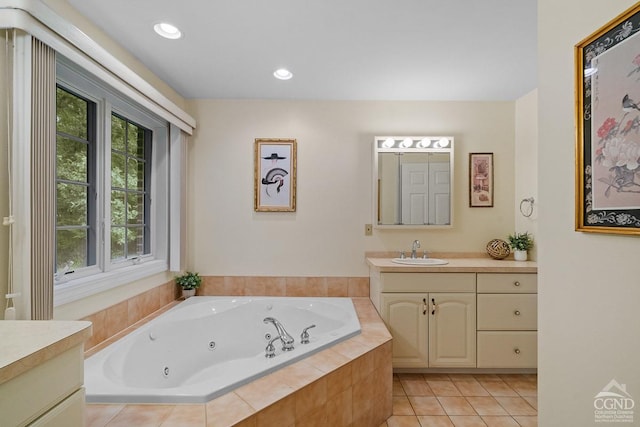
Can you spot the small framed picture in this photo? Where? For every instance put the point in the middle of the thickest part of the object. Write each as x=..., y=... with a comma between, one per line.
x=275, y=175
x=481, y=180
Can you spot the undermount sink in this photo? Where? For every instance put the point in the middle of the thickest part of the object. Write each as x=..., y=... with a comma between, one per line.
x=420, y=261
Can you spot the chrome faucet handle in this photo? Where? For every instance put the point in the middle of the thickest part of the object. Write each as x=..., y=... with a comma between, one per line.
x=270, y=351
x=402, y=255
x=304, y=337
x=425, y=255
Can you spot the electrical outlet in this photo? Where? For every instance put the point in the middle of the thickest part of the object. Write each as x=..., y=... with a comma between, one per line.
x=368, y=229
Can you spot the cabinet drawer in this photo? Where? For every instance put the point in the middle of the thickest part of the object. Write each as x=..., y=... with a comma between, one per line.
x=503, y=349
x=507, y=311
x=428, y=282
x=497, y=283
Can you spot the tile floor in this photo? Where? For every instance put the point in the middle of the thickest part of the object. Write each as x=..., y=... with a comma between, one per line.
x=464, y=400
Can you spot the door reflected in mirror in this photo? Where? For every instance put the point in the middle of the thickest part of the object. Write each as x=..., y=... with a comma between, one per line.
x=413, y=181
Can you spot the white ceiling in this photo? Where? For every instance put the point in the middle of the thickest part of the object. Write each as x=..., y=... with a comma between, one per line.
x=337, y=49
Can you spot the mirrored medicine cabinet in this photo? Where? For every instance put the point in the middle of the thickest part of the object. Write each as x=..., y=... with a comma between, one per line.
x=413, y=181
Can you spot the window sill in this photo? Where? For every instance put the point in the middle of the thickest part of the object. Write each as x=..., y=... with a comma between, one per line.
x=74, y=290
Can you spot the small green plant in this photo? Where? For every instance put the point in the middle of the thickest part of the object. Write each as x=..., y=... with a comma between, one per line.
x=189, y=280
x=521, y=241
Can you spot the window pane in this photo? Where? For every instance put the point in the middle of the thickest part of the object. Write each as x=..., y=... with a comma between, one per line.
x=135, y=175
x=71, y=160
x=135, y=208
x=118, y=127
x=71, y=205
x=117, y=207
x=118, y=167
x=71, y=114
x=118, y=235
x=135, y=242
x=135, y=141
x=71, y=248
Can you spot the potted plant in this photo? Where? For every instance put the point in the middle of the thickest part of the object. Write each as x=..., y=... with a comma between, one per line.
x=189, y=282
x=520, y=243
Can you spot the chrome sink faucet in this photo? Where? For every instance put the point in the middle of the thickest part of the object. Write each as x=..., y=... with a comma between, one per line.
x=414, y=249
x=283, y=335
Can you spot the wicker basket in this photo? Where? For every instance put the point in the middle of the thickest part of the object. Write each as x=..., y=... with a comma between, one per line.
x=498, y=249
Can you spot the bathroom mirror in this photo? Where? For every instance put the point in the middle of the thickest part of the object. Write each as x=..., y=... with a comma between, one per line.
x=413, y=181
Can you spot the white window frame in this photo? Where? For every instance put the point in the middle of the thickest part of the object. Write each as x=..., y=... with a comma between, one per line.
x=108, y=274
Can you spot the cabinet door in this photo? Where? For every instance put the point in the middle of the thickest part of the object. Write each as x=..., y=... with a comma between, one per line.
x=452, y=330
x=407, y=318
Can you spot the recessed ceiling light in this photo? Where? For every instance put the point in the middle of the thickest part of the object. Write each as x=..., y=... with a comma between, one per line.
x=282, y=74
x=167, y=31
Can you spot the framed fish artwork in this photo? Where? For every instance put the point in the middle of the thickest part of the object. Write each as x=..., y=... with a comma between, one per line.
x=275, y=175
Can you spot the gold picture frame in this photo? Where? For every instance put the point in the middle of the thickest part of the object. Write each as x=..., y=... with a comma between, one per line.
x=607, y=71
x=275, y=173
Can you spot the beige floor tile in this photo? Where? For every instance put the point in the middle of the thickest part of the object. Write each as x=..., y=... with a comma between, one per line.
x=411, y=377
x=498, y=388
x=461, y=377
x=437, y=377
x=397, y=388
x=186, y=416
x=524, y=388
x=487, y=377
x=471, y=388
x=435, y=421
x=426, y=405
x=486, y=405
x=416, y=388
x=443, y=388
x=456, y=406
x=527, y=421
x=492, y=421
x=403, y=421
x=467, y=421
x=531, y=400
x=99, y=415
x=402, y=406
x=516, y=405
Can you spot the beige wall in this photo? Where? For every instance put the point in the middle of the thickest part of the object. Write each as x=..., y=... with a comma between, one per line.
x=4, y=200
x=589, y=293
x=325, y=237
x=526, y=165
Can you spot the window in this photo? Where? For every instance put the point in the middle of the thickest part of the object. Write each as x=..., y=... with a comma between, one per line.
x=75, y=182
x=111, y=187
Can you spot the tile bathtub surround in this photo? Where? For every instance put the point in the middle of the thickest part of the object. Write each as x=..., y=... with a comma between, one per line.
x=348, y=384
x=118, y=317
x=285, y=286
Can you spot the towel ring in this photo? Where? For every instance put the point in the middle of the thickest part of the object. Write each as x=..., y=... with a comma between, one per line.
x=526, y=207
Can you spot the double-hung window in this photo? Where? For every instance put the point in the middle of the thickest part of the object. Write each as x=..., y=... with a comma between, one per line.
x=111, y=187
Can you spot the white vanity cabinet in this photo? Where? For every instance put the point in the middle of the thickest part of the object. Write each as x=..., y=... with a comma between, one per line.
x=432, y=318
x=469, y=313
x=507, y=320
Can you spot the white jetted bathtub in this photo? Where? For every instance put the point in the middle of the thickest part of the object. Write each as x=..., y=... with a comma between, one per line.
x=207, y=346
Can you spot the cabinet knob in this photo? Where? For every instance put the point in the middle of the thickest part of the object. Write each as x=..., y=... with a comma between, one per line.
x=516, y=283
x=517, y=312
x=516, y=351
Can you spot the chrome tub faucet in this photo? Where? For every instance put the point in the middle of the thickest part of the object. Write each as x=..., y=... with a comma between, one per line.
x=283, y=335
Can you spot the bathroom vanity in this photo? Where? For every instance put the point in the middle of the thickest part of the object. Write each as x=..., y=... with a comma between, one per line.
x=42, y=372
x=469, y=313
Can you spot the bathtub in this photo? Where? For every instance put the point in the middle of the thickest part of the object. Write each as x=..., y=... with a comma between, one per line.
x=207, y=346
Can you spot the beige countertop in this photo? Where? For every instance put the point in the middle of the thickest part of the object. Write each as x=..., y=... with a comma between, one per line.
x=25, y=344
x=457, y=265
